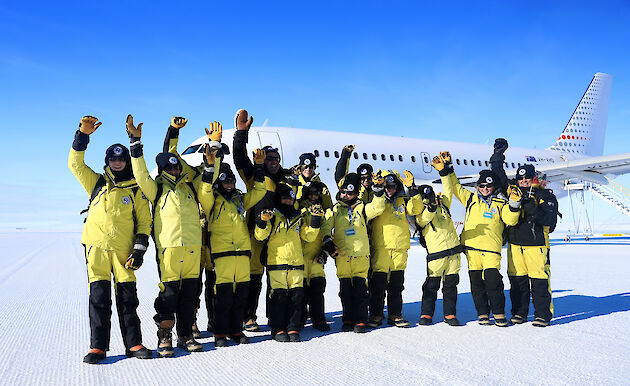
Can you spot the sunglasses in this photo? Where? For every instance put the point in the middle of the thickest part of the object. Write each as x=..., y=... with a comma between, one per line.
x=524, y=178
x=485, y=185
x=171, y=167
x=308, y=166
x=365, y=177
x=116, y=158
x=272, y=158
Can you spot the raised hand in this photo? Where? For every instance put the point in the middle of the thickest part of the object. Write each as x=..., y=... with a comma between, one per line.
x=215, y=133
x=500, y=145
x=437, y=163
x=132, y=130
x=266, y=214
x=446, y=157
x=408, y=180
x=241, y=122
x=349, y=148
x=88, y=124
x=259, y=156
x=210, y=153
x=178, y=122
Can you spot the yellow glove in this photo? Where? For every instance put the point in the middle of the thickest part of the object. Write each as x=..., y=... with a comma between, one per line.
x=378, y=179
x=408, y=179
x=241, y=122
x=88, y=124
x=266, y=214
x=514, y=193
x=349, y=148
x=178, y=122
x=446, y=157
x=211, y=154
x=437, y=163
x=296, y=170
x=316, y=211
x=259, y=156
x=132, y=130
x=215, y=133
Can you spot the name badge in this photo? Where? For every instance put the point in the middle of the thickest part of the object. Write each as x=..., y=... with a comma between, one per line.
x=487, y=214
x=350, y=232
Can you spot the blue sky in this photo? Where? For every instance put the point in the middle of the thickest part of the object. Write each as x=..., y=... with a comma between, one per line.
x=467, y=71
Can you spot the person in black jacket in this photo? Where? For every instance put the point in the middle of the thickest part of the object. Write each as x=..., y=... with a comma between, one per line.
x=528, y=248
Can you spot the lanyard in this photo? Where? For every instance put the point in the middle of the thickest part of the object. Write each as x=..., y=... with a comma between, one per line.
x=482, y=199
x=239, y=207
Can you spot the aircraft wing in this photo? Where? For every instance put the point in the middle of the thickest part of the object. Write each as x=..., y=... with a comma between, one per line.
x=593, y=169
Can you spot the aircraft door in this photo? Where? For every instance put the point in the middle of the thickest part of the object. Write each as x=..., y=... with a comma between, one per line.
x=425, y=158
x=273, y=139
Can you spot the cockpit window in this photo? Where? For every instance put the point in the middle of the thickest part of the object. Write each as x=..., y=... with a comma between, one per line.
x=191, y=149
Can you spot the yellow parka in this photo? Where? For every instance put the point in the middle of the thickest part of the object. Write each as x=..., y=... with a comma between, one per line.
x=438, y=229
x=485, y=221
x=285, y=238
x=349, y=224
x=326, y=198
x=110, y=223
x=176, y=216
x=229, y=235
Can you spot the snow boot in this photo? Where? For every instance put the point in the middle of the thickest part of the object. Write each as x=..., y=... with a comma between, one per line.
x=397, y=321
x=359, y=328
x=321, y=326
x=501, y=322
x=281, y=336
x=195, y=331
x=294, y=336
x=94, y=356
x=240, y=338
x=374, y=321
x=252, y=326
x=540, y=322
x=451, y=320
x=139, y=351
x=347, y=326
x=165, y=339
x=517, y=319
x=220, y=341
x=425, y=320
x=484, y=320
x=189, y=344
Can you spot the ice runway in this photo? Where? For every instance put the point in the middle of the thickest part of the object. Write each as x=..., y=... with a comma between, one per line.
x=43, y=315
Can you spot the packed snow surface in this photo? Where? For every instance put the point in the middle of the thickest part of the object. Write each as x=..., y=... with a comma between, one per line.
x=44, y=318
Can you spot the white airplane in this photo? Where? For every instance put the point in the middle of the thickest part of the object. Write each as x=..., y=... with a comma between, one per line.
x=575, y=154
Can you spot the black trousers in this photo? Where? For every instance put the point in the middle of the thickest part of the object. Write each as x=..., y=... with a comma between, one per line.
x=285, y=309
x=255, y=286
x=230, y=303
x=177, y=302
x=449, y=293
x=521, y=288
x=209, y=295
x=394, y=287
x=314, y=300
x=100, y=312
x=487, y=291
x=354, y=300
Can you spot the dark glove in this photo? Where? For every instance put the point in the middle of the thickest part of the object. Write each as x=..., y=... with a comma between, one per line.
x=322, y=258
x=329, y=246
x=81, y=141
x=500, y=145
x=529, y=206
x=136, y=259
x=317, y=213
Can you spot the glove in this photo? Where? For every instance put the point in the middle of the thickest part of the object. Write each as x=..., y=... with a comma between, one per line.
x=259, y=156
x=378, y=179
x=529, y=206
x=348, y=148
x=408, y=180
x=428, y=196
x=317, y=213
x=266, y=214
x=296, y=170
x=88, y=124
x=321, y=258
x=210, y=154
x=500, y=145
x=241, y=122
x=216, y=132
x=178, y=122
x=329, y=247
x=446, y=158
x=515, y=196
x=136, y=259
x=438, y=163
x=133, y=132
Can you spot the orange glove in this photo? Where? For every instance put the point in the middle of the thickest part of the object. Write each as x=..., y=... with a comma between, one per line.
x=241, y=122
x=88, y=124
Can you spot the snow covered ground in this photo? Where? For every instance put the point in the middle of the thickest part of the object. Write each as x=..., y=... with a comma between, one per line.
x=43, y=315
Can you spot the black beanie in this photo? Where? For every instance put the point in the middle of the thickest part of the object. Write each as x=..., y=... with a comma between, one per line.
x=308, y=159
x=365, y=169
x=118, y=150
x=526, y=171
x=351, y=183
x=164, y=159
x=488, y=177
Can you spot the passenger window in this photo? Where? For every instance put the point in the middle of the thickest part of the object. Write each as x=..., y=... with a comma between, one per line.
x=487, y=163
x=356, y=155
x=400, y=158
x=374, y=156
x=519, y=164
x=465, y=162
x=365, y=156
x=316, y=152
x=478, y=162
x=326, y=153
x=391, y=157
x=383, y=157
x=336, y=154
x=457, y=161
x=426, y=159
x=506, y=165
x=413, y=158
x=513, y=165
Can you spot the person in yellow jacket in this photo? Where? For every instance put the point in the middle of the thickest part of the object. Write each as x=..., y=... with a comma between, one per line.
x=487, y=214
x=275, y=175
x=305, y=177
x=345, y=237
x=364, y=171
x=390, y=241
x=285, y=227
x=440, y=238
x=115, y=237
x=231, y=247
x=170, y=146
x=177, y=236
x=314, y=275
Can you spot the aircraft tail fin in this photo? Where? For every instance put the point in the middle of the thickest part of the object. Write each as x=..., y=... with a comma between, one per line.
x=585, y=131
